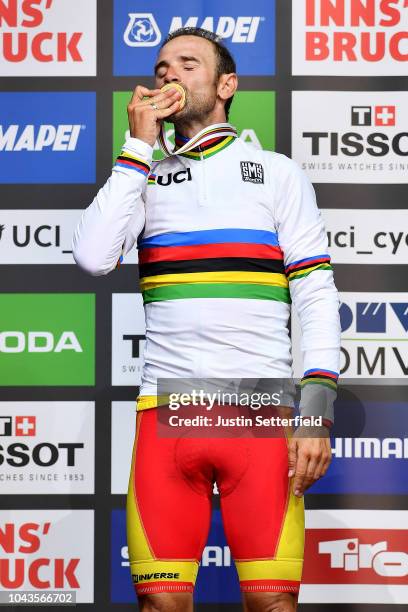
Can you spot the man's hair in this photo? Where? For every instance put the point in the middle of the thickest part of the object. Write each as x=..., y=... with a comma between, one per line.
x=225, y=61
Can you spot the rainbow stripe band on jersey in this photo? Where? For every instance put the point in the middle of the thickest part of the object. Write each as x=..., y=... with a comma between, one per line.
x=328, y=378
x=131, y=162
x=218, y=263
x=303, y=267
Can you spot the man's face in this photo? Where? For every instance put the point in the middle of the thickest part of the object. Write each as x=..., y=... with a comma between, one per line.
x=190, y=61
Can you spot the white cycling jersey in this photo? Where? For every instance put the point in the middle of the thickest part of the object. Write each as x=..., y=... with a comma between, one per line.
x=228, y=237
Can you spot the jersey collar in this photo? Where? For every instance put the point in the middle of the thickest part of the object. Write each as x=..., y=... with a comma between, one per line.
x=209, y=141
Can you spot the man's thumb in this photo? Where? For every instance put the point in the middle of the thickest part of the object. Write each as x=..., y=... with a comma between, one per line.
x=292, y=455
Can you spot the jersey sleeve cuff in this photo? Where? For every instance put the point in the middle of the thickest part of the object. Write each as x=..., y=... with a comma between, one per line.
x=135, y=157
x=318, y=392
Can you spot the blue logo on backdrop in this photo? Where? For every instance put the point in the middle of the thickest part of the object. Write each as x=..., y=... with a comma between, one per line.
x=217, y=580
x=372, y=459
x=47, y=137
x=248, y=30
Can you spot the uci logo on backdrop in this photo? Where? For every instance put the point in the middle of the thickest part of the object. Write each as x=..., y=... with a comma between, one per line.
x=249, y=34
x=47, y=137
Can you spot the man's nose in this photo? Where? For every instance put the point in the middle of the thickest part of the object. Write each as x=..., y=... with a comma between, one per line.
x=171, y=76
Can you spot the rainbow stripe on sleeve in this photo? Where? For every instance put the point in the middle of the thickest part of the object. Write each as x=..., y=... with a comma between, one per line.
x=314, y=376
x=131, y=162
x=303, y=267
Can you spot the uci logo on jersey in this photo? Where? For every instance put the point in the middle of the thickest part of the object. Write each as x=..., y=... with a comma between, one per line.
x=177, y=177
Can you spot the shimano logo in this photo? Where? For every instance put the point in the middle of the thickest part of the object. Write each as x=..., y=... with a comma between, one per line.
x=238, y=30
x=142, y=31
x=370, y=448
x=37, y=138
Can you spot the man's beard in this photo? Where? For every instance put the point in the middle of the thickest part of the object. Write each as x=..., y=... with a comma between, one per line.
x=197, y=108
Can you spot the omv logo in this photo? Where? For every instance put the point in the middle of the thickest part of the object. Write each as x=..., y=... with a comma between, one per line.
x=374, y=317
x=142, y=31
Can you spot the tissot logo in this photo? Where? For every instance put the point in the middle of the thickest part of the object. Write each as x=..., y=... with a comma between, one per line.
x=252, y=172
x=128, y=338
x=364, y=142
x=38, y=456
x=377, y=115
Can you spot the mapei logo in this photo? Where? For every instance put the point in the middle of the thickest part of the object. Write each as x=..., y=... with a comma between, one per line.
x=47, y=137
x=142, y=31
x=37, y=138
x=23, y=426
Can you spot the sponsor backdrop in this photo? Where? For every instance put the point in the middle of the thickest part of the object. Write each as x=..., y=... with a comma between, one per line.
x=323, y=81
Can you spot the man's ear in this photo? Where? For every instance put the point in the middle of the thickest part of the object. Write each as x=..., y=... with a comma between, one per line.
x=227, y=85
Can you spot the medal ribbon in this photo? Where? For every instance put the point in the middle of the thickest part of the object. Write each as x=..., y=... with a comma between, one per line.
x=216, y=130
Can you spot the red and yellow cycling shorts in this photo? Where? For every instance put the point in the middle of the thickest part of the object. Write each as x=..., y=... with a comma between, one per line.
x=169, y=509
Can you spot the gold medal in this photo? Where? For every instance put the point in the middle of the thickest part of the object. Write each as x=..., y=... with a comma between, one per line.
x=179, y=88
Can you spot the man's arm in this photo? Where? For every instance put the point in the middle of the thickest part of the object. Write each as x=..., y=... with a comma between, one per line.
x=112, y=222
x=109, y=227
x=302, y=238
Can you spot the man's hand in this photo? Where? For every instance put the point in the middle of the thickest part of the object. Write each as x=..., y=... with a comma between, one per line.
x=144, y=119
x=309, y=457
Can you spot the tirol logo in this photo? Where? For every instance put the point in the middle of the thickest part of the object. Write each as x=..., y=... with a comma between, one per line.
x=47, y=38
x=257, y=128
x=47, y=339
x=49, y=459
x=351, y=137
x=39, y=553
x=142, y=31
x=364, y=551
x=47, y=137
x=137, y=36
x=350, y=37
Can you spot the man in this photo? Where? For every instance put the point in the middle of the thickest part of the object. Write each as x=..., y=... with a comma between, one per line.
x=227, y=235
